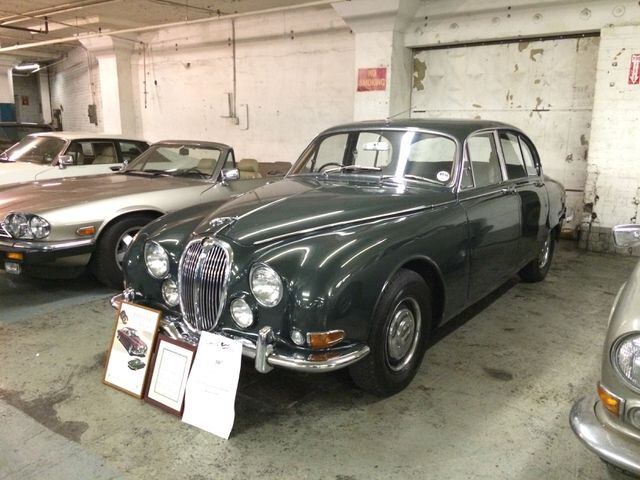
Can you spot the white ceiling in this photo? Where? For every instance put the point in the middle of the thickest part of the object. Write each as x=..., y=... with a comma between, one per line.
x=71, y=17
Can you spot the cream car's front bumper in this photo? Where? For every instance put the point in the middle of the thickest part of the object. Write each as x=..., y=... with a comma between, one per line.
x=609, y=444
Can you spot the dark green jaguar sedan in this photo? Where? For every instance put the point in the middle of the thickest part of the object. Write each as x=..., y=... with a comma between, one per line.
x=380, y=232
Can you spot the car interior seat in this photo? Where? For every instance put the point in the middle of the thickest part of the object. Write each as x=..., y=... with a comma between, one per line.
x=106, y=155
x=248, y=169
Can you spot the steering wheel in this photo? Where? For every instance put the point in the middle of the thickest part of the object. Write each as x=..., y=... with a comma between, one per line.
x=194, y=170
x=333, y=164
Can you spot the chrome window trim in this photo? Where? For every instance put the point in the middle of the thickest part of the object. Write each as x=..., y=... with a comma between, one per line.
x=483, y=131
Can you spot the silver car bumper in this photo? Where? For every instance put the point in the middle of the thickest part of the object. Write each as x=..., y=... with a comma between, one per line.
x=610, y=445
x=267, y=355
x=19, y=245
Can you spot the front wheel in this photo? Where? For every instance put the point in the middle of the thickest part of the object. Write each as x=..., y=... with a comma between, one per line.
x=106, y=262
x=537, y=270
x=398, y=338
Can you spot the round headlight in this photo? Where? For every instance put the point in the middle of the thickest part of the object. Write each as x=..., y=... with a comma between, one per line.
x=266, y=285
x=39, y=227
x=17, y=225
x=627, y=358
x=241, y=313
x=170, y=292
x=157, y=260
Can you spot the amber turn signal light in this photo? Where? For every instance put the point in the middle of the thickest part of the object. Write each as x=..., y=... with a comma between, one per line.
x=15, y=256
x=325, y=339
x=86, y=231
x=609, y=401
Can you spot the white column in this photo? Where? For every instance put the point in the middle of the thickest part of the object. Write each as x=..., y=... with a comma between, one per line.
x=45, y=95
x=116, y=89
x=379, y=27
x=7, y=103
x=612, y=190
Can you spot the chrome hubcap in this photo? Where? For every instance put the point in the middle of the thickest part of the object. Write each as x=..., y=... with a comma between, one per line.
x=123, y=243
x=403, y=333
x=545, y=253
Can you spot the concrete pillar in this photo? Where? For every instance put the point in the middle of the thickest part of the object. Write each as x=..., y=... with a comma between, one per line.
x=116, y=89
x=7, y=102
x=45, y=95
x=612, y=190
x=379, y=27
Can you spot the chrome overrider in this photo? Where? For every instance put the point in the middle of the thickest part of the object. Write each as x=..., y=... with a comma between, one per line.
x=588, y=421
x=264, y=351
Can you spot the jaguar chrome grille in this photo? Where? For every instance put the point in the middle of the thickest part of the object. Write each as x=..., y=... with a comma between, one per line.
x=202, y=280
x=3, y=231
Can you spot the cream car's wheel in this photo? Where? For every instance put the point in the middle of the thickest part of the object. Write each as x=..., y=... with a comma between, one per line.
x=399, y=335
x=107, y=260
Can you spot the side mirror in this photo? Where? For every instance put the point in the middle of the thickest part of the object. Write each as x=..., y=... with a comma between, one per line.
x=626, y=235
x=229, y=174
x=64, y=161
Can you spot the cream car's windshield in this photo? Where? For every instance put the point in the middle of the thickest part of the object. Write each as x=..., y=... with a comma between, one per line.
x=389, y=153
x=40, y=150
x=176, y=160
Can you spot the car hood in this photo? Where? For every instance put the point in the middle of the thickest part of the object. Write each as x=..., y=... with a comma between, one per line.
x=45, y=196
x=304, y=204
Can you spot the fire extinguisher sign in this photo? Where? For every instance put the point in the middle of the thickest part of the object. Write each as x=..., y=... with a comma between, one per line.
x=634, y=69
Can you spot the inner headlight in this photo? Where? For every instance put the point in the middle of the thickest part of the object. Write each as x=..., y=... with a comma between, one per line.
x=170, y=292
x=20, y=225
x=157, y=260
x=627, y=357
x=266, y=285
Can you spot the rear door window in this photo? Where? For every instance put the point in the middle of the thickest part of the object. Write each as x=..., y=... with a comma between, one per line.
x=512, y=155
x=130, y=150
x=484, y=159
x=529, y=160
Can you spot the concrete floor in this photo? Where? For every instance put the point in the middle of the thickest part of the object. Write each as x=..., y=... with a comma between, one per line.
x=491, y=400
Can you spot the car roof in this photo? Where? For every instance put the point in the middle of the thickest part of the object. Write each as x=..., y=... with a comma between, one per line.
x=458, y=128
x=87, y=135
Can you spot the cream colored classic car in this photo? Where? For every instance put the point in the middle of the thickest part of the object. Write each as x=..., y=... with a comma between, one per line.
x=50, y=155
x=90, y=221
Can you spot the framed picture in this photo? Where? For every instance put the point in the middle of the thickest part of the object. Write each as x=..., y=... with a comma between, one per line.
x=170, y=369
x=131, y=347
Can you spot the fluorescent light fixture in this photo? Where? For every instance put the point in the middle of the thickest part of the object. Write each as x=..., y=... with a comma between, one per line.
x=23, y=67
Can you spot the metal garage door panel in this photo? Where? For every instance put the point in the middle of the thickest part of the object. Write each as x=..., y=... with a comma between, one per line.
x=544, y=87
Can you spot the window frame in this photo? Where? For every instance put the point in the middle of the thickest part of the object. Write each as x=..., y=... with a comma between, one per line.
x=522, y=138
x=467, y=158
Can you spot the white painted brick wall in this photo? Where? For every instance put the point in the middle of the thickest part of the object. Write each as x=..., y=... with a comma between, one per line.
x=73, y=88
x=614, y=155
x=294, y=71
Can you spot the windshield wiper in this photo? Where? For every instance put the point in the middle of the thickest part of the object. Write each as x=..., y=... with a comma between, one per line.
x=352, y=167
x=147, y=173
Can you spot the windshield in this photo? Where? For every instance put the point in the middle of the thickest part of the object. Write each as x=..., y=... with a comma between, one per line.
x=15, y=133
x=40, y=150
x=388, y=153
x=177, y=160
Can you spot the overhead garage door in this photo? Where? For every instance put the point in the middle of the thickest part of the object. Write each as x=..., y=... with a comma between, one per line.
x=543, y=87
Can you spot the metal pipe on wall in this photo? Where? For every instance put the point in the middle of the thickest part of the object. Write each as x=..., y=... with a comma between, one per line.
x=41, y=12
x=168, y=25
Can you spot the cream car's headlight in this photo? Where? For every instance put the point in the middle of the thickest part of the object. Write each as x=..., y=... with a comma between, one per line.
x=627, y=359
x=266, y=285
x=157, y=260
x=23, y=225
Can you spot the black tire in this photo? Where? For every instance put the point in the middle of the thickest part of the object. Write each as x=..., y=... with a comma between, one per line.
x=104, y=264
x=537, y=270
x=379, y=372
x=616, y=473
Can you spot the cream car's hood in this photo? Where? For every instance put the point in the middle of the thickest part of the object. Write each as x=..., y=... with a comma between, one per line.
x=17, y=172
x=49, y=196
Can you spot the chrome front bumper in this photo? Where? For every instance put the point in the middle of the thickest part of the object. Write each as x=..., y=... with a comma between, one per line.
x=20, y=245
x=610, y=445
x=265, y=352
